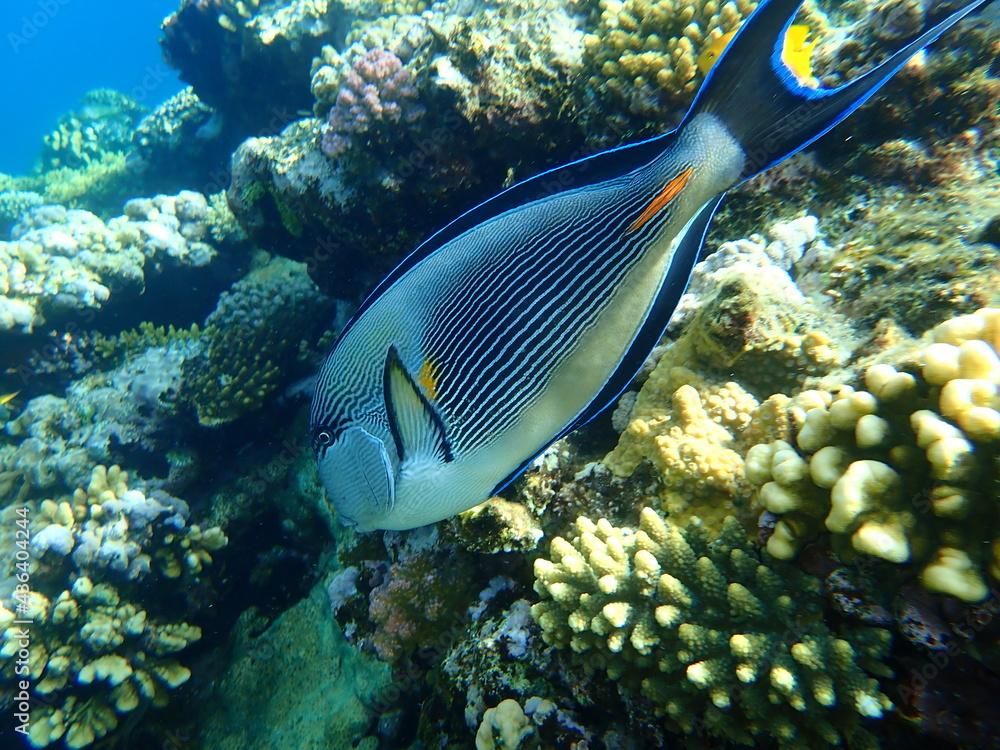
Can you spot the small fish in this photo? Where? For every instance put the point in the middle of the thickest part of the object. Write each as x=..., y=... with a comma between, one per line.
x=796, y=53
x=528, y=315
x=8, y=397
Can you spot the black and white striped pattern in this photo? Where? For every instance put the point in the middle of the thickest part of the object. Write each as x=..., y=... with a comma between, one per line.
x=507, y=323
x=498, y=308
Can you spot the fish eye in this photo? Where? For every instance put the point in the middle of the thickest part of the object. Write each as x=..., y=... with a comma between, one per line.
x=324, y=438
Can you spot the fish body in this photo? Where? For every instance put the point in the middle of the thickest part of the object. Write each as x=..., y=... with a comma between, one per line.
x=7, y=398
x=528, y=315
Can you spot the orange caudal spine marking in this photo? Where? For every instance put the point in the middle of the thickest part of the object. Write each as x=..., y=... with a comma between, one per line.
x=670, y=191
x=428, y=379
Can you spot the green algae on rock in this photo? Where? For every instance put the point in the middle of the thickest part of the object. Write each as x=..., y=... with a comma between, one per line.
x=299, y=679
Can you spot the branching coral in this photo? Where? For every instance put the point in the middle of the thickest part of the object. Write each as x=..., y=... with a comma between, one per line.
x=376, y=93
x=708, y=399
x=644, y=53
x=906, y=468
x=98, y=650
x=717, y=639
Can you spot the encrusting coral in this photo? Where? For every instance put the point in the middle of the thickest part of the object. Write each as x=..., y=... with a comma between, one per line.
x=717, y=639
x=904, y=467
x=98, y=650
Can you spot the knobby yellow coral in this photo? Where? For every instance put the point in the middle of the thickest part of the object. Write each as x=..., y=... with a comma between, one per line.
x=715, y=637
x=99, y=645
x=644, y=53
x=905, y=468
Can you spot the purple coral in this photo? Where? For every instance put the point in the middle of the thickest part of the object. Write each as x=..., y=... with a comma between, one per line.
x=377, y=89
x=415, y=604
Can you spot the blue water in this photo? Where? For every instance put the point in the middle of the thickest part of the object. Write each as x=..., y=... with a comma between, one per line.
x=53, y=51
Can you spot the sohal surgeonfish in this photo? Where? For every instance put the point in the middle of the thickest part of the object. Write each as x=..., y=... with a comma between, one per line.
x=529, y=314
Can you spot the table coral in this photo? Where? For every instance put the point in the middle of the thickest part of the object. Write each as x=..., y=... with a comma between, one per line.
x=719, y=640
x=903, y=467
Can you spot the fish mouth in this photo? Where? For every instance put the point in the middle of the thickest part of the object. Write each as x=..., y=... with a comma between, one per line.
x=347, y=521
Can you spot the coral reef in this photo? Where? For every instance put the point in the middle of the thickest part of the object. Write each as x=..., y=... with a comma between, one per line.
x=224, y=49
x=127, y=413
x=251, y=338
x=14, y=204
x=61, y=261
x=643, y=55
x=412, y=606
x=304, y=684
x=714, y=637
x=377, y=92
x=152, y=337
x=102, y=124
x=498, y=525
x=183, y=144
x=100, y=646
x=747, y=331
x=505, y=727
x=902, y=467
x=491, y=83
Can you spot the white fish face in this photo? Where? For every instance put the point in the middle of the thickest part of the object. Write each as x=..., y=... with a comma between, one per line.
x=359, y=478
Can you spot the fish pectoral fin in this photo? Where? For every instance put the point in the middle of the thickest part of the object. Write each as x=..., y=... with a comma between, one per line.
x=416, y=425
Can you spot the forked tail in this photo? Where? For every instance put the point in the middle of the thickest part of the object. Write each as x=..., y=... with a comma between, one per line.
x=764, y=106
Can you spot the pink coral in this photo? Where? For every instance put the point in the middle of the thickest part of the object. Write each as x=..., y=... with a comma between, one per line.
x=413, y=605
x=377, y=89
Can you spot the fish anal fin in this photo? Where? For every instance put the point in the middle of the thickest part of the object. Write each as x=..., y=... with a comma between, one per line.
x=670, y=191
x=417, y=428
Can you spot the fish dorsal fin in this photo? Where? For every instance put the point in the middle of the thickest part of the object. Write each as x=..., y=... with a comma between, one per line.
x=416, y=426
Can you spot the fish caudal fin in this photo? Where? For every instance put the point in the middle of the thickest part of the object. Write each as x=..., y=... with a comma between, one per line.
x=767, y=109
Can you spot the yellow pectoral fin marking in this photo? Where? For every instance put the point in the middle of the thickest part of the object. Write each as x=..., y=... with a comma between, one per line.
x=427, y=379
x=670, y=191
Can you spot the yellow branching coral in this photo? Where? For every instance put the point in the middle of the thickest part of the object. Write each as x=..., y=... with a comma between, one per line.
x=715, y=637
x=98, y=645
x=905, y=468
x=644, y=53
x=93, y=658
